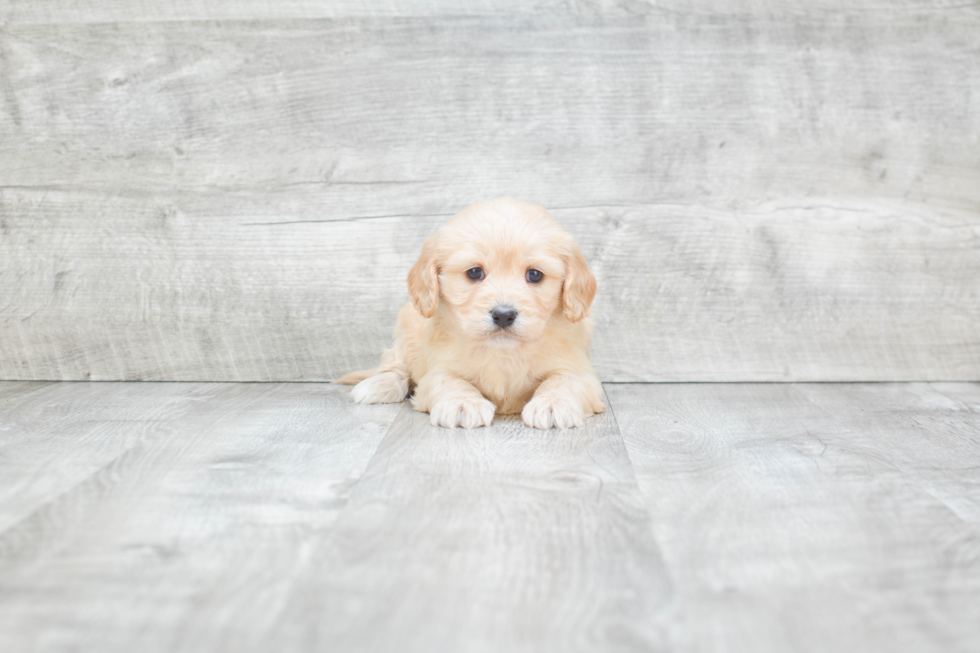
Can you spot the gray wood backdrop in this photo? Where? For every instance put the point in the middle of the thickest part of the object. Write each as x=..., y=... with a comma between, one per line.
x=235, y=190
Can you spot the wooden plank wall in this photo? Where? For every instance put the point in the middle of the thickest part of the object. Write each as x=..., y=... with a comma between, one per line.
x=767, y=191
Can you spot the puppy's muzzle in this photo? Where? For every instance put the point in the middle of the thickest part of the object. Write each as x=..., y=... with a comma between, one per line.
x=503, y=316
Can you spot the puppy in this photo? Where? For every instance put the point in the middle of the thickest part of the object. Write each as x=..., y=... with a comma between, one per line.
x=498, y=324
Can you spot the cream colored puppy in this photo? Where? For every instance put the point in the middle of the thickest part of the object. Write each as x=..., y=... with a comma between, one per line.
x=498, y=324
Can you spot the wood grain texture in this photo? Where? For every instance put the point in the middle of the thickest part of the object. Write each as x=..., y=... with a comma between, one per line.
x=766, y=195
x=931, y=432
x=189, y=533
x=253, y=522
x=54, y=437
x=815, y=517
x=688, y=517
x=778, y=291
x=496, y=539
x=564, y=110
x=105, y=11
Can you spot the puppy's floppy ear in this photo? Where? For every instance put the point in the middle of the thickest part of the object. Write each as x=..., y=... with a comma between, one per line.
x=423, y=279
x=578, y=289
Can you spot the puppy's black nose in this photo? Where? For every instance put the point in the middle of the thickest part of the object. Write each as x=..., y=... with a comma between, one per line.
x=503, y=316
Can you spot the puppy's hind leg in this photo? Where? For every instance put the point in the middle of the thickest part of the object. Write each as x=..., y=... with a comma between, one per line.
x=382, y=388
x=388, y=385
x=389, y=382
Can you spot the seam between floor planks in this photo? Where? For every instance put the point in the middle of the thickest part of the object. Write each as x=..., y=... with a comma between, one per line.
x=209, y=392
x=446, y=514
x=421, y=537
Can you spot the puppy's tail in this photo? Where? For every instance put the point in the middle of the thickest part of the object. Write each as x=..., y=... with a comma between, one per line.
x=356, y=377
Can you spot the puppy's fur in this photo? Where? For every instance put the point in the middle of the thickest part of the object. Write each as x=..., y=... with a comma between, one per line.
x=464, y=367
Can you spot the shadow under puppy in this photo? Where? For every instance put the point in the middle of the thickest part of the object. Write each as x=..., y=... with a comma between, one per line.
x=498, y=324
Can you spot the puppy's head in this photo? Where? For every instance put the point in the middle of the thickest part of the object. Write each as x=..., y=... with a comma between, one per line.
x=503, y=268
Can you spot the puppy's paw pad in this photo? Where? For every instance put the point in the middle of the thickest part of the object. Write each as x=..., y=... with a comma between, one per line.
x=384, y=388
x=468, y=412
x=553, y=412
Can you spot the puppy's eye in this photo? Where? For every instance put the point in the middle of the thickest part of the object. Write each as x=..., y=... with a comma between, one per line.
x=475, y=274
x=534, y=276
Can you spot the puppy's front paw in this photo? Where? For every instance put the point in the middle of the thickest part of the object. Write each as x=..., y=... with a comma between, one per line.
x=553, y=411
x=468, y=412
x=384, y=388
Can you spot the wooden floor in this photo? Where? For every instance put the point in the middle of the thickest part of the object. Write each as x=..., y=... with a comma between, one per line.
x=689, y=517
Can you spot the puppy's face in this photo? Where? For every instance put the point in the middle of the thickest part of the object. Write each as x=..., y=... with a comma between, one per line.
x=503, y=294
x=503, y=268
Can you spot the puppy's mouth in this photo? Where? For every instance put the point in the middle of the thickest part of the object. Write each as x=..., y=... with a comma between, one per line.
x=503, y=338
x=493, y=335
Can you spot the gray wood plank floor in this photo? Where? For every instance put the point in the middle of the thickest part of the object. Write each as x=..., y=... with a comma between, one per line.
x=807, y=517
x=689, y=517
